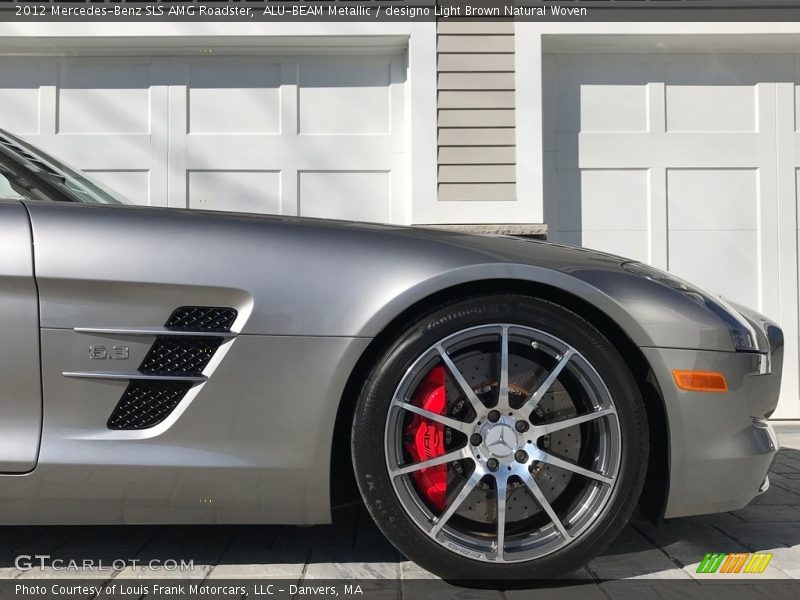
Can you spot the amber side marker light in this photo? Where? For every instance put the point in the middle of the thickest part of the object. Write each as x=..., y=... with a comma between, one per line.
x=700, y=381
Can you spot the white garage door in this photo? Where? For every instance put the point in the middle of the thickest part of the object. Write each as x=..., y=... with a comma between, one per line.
x=309, y=135
x=688, y=162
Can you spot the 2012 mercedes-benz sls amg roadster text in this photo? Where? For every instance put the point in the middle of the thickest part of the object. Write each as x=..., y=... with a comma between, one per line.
x=503, y=404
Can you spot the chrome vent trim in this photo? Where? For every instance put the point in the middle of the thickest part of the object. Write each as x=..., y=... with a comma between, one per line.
x=147, y=331
x=133, y=375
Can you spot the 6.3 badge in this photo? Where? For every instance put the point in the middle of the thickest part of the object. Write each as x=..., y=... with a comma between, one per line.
x=113, y=352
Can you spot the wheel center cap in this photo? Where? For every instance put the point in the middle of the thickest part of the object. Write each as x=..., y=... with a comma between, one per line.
x=501, y=440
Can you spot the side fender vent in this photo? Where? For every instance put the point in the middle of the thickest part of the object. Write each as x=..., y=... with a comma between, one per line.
x=146, y=403
x=180, y=355
x=202, y=318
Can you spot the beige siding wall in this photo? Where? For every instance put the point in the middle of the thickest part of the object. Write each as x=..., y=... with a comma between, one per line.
x=476, y=111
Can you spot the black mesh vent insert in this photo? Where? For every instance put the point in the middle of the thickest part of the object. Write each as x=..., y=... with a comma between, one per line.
x=146, y=403
x=179, y=355
x=202, y=318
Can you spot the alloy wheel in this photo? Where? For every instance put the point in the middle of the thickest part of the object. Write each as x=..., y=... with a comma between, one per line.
x=528, y=443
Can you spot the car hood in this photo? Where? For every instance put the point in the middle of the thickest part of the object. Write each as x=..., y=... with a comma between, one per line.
x=493, y=247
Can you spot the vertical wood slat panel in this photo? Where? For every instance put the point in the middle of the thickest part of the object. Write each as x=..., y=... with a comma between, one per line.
x=475, y=86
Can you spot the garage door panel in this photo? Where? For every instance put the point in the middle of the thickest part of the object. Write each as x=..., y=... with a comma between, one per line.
x=711, y=93
x=241, y=99
x=113, y=152
x=256, y=151
x=712, y=199
x=613, y=108
x=242, y=191
x=132, y=184
x=725, y=262
x=341, y=98
x=614, y=199
x=344, y=161
x=597, y=150
x=234, y=151
x=711, y=69
x=711, y=108
x=103, y=97
x=346, y=194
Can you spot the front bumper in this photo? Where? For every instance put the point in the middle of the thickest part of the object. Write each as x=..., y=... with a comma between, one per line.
x=721, y=444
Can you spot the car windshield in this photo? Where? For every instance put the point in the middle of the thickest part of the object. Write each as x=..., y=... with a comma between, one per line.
x=73, y=183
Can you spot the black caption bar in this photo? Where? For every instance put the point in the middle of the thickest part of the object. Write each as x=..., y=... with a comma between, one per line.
x=397, y=10
x=372, y=589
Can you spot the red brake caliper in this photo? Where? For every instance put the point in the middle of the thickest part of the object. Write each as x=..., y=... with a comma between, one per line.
x=425, y=439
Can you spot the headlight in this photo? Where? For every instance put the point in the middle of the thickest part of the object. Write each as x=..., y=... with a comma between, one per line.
x=742, y=334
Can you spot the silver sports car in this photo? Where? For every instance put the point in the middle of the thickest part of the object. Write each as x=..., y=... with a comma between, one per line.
x=503, y=405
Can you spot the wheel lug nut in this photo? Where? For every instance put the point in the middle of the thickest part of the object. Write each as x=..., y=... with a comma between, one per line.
x=493, y=464
x=521, y=456
x=475, y=439
x=521, y=426
x=494, y=416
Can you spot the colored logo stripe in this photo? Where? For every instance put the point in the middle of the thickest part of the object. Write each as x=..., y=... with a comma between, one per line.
x=758, y=563
x=737, y=562
x=710, y=562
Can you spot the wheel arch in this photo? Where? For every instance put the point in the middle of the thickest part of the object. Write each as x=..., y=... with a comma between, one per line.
x=656, y=486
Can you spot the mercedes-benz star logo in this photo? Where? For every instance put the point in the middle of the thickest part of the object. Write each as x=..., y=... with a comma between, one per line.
x=501, y=440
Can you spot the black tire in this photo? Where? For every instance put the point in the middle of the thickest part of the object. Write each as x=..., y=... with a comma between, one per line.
x=370, y=418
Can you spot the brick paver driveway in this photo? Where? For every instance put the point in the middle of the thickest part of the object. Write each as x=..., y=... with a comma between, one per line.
x=353, y=548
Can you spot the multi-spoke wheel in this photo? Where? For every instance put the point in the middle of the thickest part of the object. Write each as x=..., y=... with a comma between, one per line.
x=500, y=437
